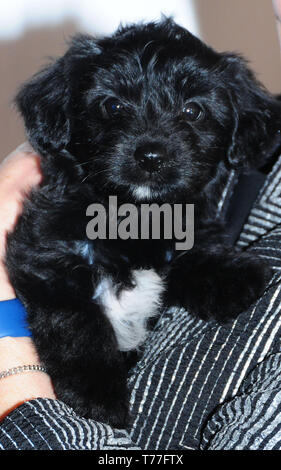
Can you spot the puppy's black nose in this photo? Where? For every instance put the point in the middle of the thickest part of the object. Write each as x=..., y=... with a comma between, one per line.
x=150, y=156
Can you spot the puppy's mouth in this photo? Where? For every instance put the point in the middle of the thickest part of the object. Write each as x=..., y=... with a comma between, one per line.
x=149, y=175
x=152, y=172
x=152, y=186
x=164, y=192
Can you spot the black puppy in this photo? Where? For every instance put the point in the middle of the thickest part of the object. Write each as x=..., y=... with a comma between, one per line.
x=150, y=114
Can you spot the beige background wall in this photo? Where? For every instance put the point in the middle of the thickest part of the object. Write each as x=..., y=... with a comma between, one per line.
x=247, y=26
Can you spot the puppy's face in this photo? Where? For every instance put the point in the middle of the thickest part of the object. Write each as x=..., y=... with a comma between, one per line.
x=151, y=113
x=151, y=118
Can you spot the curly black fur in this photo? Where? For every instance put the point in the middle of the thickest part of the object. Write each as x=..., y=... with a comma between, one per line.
x=92, y=115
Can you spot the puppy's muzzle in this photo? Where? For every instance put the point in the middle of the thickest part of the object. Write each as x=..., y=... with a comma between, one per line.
x=151, y=157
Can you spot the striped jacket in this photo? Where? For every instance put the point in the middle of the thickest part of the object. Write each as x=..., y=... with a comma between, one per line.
x=197, y=385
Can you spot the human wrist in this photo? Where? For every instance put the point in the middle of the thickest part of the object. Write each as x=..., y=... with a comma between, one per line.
x=16, y=352
x=22, y=387
x=18, y=389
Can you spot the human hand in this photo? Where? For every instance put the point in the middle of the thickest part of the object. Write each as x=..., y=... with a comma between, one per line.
x=19, y=172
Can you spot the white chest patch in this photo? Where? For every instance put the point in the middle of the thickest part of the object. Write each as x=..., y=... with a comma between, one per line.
x=130, y=311
x=142, y=192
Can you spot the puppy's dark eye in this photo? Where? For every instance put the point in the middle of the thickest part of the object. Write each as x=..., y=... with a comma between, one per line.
x=193, y=111
x=112, y=107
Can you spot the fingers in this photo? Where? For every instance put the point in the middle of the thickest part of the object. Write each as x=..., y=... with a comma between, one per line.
x=18, y=173
x=21, y=169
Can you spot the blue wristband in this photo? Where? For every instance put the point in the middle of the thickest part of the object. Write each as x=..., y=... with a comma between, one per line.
x=13, y=319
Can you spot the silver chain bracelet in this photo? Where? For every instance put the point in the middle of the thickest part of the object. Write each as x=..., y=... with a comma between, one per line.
x=20, y=369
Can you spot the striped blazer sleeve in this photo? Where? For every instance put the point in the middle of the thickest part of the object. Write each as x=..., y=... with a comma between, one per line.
x=252, y=419
x=45, y=424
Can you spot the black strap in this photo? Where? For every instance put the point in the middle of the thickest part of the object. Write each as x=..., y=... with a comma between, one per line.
x=244, y=195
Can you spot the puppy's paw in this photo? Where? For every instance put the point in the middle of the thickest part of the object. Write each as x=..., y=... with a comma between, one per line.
x=224, y=288
x=231, y=289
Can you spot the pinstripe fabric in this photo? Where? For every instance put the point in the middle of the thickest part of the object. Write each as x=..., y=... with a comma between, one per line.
x=266, y=213
x=197, y=385
x=252, y=419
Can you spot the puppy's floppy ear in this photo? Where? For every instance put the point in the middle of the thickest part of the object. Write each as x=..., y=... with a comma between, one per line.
x=43, y=103
x=46, y=101
x=256, y=132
